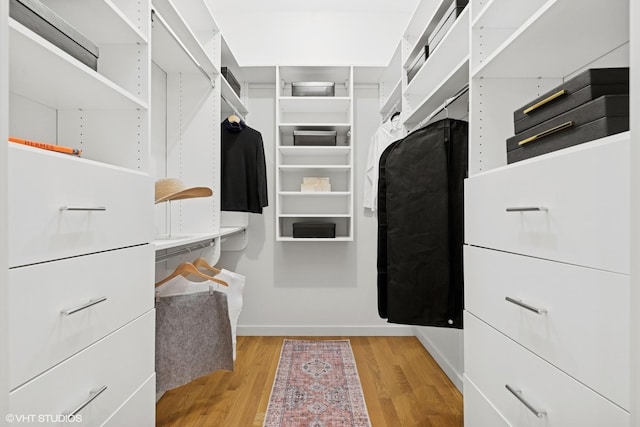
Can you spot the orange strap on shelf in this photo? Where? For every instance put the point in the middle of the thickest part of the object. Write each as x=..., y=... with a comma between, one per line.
x=45, y=146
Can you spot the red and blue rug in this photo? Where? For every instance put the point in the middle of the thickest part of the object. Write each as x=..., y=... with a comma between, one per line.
x=317, y=385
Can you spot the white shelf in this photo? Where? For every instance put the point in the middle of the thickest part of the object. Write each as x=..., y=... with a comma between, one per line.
x=44, y=73
x=230, y=96
x=611, y=139
x=168, y=242
x=505, y=13
x=318, y=239
x=107, y=26
x=314, y=194
x=196, y=14
x=453, y=82
x=588, y=37
x=167, y=52
x=393, y=100
x=291, y=168
x=337, y=151
x=417, y=27
x=431, y=17
x=314, y=104
x=450, y=52
x=230, y=231
x=341, y=128
x=339, y=75
x=314, y=215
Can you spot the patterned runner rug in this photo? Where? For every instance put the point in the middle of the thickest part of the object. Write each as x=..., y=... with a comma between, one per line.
x=316, y=385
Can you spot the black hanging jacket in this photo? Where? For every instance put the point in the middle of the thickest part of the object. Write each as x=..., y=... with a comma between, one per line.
x=244, y=173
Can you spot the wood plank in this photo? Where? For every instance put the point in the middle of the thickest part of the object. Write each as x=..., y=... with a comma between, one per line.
x=402, y=385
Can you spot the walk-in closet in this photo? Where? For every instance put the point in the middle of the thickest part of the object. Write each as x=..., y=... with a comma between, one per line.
x=325, y=213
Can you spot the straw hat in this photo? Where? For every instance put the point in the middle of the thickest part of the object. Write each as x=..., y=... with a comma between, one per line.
x=174, y=189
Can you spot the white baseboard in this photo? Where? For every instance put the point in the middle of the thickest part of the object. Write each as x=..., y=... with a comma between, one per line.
x=445, y=365
x=329, y=331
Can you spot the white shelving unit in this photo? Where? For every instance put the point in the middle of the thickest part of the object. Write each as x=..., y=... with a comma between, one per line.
x=334, y=113
x=445, y=71
x=93, y=211
x=518, y=52
x=188, y=51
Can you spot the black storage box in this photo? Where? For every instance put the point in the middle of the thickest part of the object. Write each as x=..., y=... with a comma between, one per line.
x=50, y=26
x=314, y=137
x=325, y=230
x=313, y=89
x=418, y=63
x=604, y=116
x=446, y=22
x=577, y=91
x=226, y=73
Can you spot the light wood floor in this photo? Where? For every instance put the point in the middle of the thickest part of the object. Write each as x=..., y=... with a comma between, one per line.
x=402, y=384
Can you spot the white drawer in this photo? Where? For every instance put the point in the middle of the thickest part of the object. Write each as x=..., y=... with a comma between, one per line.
x=585, y=329
x=122, y=362
x=586, y=194
x=493, y=361
x=478, y=411
x=139, y=410
x=41, y=183
x=40, y=335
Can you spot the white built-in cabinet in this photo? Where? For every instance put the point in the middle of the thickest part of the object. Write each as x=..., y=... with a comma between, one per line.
x=81, y=233
x=80, y=258
x=547, y=289
x=293, y=162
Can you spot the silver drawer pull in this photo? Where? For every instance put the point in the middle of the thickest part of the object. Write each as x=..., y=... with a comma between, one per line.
x=92, y=395
x=518, y=394
x=83, y=208
x=528, y=209
x=84, y=306
x=525, y=305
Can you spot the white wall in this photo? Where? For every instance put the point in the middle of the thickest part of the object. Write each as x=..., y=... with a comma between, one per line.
x=309, y=288
x=313, y=32
x=4, y=113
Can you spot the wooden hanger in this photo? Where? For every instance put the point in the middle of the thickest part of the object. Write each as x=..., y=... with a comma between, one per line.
x=202, y=263
x=233, y=118
x=185, y=269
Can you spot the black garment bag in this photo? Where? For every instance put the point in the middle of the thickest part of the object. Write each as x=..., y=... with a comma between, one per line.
x=423, y=204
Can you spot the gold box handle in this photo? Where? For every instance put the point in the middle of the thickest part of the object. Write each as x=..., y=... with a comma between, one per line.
x=546, y=133
x=545, y=101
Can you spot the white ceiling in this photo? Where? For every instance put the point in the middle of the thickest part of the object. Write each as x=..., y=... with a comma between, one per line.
x=312, y=32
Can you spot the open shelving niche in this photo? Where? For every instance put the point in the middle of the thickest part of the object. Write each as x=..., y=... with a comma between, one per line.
x=501, y=82
x=293, y=163
x=191, y=98
x=445, y=71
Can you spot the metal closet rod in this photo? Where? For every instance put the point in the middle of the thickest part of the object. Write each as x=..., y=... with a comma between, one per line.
x=464, y=89
x=182, y=46
x=188, y=249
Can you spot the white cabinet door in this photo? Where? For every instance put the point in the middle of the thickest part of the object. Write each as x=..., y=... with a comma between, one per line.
x=584, y=329
x=494, y=362
x=63, y=206
x=121, y=362
x=584, y=197
x=118, y=283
